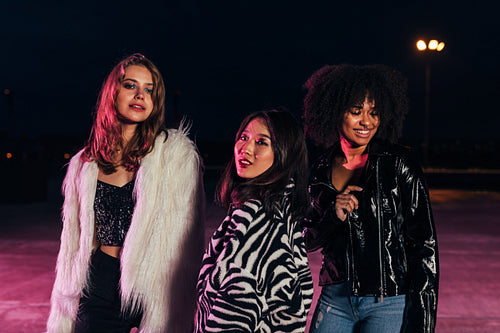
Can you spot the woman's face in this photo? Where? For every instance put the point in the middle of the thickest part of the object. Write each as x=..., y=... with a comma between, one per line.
x=253, y=153
x=360, y=123
x=134, y=102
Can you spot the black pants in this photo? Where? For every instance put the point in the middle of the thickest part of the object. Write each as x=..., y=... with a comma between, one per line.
x=100, y=307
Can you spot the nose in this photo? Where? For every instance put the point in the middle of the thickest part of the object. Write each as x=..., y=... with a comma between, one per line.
x=139, y=94
x=247, y=148
x=365, y=120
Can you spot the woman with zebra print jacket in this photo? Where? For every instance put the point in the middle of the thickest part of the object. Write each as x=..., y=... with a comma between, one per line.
x=255, y=275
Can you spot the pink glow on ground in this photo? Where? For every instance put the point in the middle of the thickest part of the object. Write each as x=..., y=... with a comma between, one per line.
x=468, y=226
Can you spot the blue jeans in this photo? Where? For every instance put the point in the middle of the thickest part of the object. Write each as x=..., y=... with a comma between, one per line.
x=338, y=311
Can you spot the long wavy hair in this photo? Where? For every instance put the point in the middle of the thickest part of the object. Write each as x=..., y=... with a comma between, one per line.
x=106, y=134
x=332, y=90
x=290, y=162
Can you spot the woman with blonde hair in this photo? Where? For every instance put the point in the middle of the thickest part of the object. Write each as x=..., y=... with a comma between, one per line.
x=132, y=215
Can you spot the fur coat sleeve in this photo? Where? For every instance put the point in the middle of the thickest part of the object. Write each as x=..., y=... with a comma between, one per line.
x=76, y=244
x=162, y=251
x=162, y=274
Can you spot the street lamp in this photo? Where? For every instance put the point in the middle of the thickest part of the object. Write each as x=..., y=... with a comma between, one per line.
x=432, y=46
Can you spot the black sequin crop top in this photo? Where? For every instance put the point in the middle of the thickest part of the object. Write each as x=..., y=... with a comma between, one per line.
x=113, y=207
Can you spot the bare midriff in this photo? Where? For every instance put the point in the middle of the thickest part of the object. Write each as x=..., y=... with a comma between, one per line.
x=113, y=251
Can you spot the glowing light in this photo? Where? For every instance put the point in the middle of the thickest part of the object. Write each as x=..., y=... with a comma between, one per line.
x=421, y=46
x=6, y=91
x=433, y=44
x=8, y=155
x=66, y=156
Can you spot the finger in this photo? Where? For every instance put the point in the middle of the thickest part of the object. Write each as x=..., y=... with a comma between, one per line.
x=345, y=204
x=349, y=198
x=355, y=201
x=352, y=204
x=341, y=213
x=352, y=188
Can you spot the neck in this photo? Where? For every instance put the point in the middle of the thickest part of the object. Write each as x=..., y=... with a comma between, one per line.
x=356, y=156
x=350, y=150
x=128, y=131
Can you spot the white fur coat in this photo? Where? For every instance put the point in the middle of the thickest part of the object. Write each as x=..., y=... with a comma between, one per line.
x=162, y=251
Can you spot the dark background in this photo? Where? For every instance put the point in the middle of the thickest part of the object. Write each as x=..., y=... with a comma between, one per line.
x=225, y=59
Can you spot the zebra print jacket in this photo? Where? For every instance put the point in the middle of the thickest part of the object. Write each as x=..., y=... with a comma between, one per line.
x=255, y=275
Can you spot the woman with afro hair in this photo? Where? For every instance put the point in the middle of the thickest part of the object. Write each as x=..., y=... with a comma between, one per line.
x=371, y=217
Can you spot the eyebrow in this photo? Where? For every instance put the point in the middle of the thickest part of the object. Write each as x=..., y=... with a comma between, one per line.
x=361, y=106
x=259, y=134
x=133, y=80
x=265, y=136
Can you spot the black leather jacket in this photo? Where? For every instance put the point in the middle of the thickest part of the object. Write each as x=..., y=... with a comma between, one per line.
x=387, y=246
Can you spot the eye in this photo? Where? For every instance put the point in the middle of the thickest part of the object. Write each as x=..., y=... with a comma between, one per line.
x=129, y=85
x=148, y=90
x=243, y=137
x=355, y=110
x=262, y=142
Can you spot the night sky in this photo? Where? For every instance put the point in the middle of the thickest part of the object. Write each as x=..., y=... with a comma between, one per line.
x=228, y=58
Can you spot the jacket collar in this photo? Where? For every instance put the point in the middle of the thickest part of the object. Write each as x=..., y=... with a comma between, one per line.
x=376, y=149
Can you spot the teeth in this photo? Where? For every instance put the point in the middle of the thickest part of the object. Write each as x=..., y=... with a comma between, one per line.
x=362, y=132
x=244, y=162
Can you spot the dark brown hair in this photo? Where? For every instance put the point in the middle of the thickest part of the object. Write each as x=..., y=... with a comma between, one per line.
x=290, y=162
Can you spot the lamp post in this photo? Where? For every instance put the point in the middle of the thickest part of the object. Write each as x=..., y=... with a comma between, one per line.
x=432, y=46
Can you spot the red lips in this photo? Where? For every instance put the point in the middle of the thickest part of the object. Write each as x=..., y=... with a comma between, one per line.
x=243, y=162
x=137, y=106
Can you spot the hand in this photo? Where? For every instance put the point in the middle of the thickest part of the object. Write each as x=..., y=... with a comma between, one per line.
x=346, y=202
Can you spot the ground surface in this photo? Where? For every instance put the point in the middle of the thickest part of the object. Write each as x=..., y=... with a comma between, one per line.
x=467, y=223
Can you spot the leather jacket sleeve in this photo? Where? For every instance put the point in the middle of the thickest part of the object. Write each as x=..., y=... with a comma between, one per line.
x=323, y=221
x=421, y=249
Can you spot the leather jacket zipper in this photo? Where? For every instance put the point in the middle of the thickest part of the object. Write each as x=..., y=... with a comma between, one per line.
x=350, y=258
x=380, y=236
